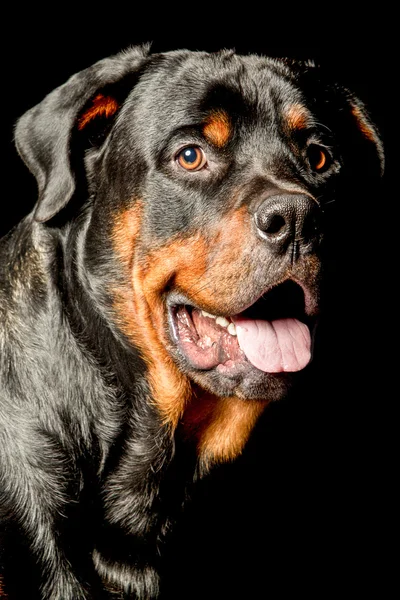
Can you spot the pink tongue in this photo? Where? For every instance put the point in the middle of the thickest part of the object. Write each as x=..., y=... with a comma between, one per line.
x=274, y=346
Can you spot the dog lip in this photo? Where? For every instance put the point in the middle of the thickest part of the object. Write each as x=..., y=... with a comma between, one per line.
x=205, y=354
x=311, y=304
x=175, y=300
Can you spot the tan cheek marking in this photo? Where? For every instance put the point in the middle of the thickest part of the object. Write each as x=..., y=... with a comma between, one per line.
x=218, y=129
x=362, y=124
x=170, y=389
x=229, y=260
x=220, y=427
x=102, y=106
x=183, y=263
x=297, y=117
x=126, y=229
x=139, y=309
x=187, y=264
x=204, y=267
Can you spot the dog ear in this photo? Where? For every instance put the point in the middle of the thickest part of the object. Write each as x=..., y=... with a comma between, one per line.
x=43, y=134
x=361, y=138
x=347, y=118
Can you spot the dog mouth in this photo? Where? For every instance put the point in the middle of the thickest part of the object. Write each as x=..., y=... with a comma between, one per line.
x=273, y=335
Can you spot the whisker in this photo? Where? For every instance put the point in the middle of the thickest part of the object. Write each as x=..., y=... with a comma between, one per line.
x=323, y=126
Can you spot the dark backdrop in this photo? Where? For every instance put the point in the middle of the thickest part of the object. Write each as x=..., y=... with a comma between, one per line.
x=306, y=508
x=43, y=52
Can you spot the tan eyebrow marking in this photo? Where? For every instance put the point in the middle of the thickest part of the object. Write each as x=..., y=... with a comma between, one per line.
x=297, y=116
x=218, y=128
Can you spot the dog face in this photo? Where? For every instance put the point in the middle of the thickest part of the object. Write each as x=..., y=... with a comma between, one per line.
x=208, y=178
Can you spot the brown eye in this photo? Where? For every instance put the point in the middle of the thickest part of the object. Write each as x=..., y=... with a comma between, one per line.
x=191, y=158
x=318, y=158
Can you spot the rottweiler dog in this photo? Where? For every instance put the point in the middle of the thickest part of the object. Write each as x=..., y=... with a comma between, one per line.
x=164, y=290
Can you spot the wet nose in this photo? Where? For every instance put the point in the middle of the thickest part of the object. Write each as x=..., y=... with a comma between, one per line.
x=284, y=219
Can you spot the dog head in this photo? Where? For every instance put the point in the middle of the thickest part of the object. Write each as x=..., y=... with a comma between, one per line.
x=198, y=187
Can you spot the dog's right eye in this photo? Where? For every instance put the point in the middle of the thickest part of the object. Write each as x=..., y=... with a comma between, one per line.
x=191, y=158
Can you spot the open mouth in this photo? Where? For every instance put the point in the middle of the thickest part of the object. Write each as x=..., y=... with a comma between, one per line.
x=273, y=335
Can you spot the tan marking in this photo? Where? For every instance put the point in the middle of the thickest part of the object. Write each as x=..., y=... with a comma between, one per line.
x=363, y=124
x=185, y=263
x=211, y=275
x=297, y=117
x=220, y=426
x=218, y=129
x=2, y=592
x=139, y=314
x=103, y=106
x=197, y=266
x=208, y=268
x=126, y=230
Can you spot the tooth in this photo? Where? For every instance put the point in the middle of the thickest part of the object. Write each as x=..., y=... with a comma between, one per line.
x=222, y=321
x=232, y=328
x=206, y=314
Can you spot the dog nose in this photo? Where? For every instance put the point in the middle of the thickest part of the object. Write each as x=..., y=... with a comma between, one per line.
x=288, y=218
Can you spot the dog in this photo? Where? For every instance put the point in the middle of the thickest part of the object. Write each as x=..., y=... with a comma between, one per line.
x=164, y=290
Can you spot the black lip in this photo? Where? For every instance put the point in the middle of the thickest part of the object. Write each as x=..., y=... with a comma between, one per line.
x=174, y=300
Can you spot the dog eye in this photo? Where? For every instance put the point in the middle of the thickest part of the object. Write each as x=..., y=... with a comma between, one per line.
x=318, y=158
x=192, y=158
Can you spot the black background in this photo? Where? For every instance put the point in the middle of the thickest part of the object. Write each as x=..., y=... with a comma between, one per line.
x=43, y=51
x=307, y=506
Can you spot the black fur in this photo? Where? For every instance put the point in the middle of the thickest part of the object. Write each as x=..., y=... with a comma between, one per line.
x=92, y=478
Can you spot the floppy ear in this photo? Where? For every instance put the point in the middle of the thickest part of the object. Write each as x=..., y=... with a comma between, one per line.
x=364, y=137
x=348, y=119
x=43, y=134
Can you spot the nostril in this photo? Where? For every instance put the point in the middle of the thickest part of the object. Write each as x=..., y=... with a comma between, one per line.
x=275, y=221
x=275, y=225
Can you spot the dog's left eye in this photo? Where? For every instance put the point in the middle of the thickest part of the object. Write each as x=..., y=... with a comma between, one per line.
x=319, y=158
x=191, y=158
